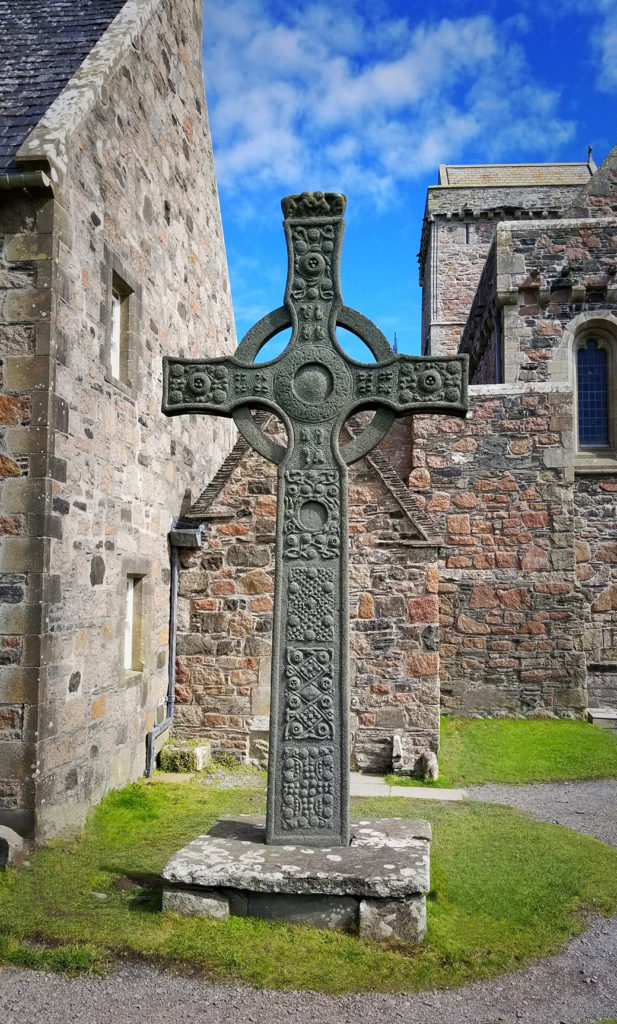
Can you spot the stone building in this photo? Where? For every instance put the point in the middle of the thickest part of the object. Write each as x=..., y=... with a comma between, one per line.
x=111, y=254
x=484, y=550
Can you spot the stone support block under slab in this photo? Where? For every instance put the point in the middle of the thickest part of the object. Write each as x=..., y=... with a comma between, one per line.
x=402, y=920
x=196, y=904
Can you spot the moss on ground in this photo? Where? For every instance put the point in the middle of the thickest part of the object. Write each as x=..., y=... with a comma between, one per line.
x=475, y=751
x=495, y=904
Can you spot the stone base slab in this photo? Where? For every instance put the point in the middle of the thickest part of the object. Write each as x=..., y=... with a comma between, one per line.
x=376, y=886
x=606, y=718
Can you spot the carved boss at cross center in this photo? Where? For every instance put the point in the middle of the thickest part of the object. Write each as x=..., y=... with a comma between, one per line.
x=313, y=387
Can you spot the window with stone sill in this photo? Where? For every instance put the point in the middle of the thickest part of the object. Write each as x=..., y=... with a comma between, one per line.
x=121, y=315
x=119, y=331
x=595, y=395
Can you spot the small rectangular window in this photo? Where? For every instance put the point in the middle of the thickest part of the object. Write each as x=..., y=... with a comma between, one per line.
x=119, y=334
x=133, y=624
x=114, y=354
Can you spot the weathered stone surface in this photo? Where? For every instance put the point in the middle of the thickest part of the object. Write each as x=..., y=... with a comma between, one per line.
x=386, y=858
x=512, y=622
x=196, y=904
x=178, y=757
x=11, y=844
x=314, y=387
x=333, y=912
x=402, y=920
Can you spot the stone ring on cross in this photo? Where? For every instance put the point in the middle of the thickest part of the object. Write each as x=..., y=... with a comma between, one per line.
x=297, y=379
x=313, y=387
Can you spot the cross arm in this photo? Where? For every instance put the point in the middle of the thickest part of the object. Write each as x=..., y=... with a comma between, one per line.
x=408, y=384
x=215, y=386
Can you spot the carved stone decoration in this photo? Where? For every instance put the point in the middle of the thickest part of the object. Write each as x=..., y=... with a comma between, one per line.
x=312, y=515
x=311, y=604
x=308, y=788
x=314, y=388
x=308, y=698
x=198, y=383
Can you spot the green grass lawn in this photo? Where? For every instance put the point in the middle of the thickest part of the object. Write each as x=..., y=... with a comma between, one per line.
x=474, y=751
x=505, y=890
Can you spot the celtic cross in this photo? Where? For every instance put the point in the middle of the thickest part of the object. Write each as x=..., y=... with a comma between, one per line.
x=313, y=387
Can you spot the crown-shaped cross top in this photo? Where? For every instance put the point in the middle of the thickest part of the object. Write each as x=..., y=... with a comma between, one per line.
x=313, y=387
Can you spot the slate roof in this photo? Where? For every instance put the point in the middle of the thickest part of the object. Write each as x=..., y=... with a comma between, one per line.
x=491, y=175
x=43, y=42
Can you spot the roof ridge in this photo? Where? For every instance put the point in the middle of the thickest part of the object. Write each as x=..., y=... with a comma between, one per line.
x=49, y=138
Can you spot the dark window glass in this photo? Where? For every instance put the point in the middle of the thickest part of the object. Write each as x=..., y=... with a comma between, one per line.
x=592, y=386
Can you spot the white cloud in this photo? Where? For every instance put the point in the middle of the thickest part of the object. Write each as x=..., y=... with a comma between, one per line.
x=338, y=98
x=604, y=41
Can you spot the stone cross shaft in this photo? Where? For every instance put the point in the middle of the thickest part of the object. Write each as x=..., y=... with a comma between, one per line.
x=313, y=387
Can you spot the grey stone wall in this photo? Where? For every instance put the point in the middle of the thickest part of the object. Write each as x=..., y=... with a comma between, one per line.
x=550, y=276
x=134, y=195
x=479, y=199
x=455, y=258
x=482, y=336
x=27, y=476
x=459, y=226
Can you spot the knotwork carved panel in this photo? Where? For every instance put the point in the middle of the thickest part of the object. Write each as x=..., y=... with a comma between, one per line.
x=308, y=696
x=310, y=608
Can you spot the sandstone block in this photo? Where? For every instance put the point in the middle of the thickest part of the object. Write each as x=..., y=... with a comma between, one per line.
x=256, y=582
x=8, y=467
x=459, y=524
x=467, y=624
x=422, y=664
x=11, y=846
x=366, y=606
x=534, y=558
x=178, y=757
x=423, y=609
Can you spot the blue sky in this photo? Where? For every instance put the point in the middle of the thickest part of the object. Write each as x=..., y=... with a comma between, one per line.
x=367, y=98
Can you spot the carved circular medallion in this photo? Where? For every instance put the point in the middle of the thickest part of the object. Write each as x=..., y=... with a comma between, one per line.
x=198, y=383
x=312, y=389
x=313, y=515
x=312, y=264
x=275, y=322
x=430, y=380
x=313, y=383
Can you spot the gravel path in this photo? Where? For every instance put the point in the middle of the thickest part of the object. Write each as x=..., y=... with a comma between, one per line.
x=578, y=985
x=589, y=807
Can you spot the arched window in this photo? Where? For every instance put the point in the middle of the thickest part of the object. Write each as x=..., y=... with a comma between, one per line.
x=590, y=352
x=592, y=385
